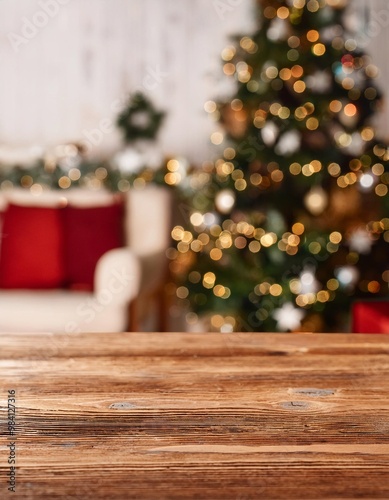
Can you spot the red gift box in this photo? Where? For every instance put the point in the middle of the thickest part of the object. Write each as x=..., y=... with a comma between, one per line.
x=370, y=317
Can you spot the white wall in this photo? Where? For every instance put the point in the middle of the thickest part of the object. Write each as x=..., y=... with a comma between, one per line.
x=372, y=26
x=68, y=76
x=62, y=81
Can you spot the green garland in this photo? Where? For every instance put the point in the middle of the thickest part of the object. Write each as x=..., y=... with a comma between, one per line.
x=87, y=174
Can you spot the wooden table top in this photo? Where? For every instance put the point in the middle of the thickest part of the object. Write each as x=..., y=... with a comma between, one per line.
x=200, y=416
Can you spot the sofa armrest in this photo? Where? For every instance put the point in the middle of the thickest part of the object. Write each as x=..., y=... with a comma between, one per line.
x=117, y=277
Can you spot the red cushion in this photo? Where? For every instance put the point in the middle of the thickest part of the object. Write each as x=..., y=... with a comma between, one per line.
x=89, y=233
x=31, y=248
x=371, y=317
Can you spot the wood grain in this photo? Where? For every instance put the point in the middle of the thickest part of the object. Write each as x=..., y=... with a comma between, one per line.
x=205, y=416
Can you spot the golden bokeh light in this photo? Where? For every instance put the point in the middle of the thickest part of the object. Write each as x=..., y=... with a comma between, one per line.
x=285, y=74
x=64, y=182
x=298, y=228
x=297, y=71
x=299, y=86
x=335, y=237
x=228, y=53
x=210, y=106
x=312, y=123
x=295, y=168
x=350, y=110
x=319, y=49
x=313, y=36
x=335, y=106
x=283, y=12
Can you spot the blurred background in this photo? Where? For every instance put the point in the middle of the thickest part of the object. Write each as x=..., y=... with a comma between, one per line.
x=194, y=165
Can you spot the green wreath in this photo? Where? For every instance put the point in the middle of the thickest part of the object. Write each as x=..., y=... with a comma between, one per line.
x=140, y=119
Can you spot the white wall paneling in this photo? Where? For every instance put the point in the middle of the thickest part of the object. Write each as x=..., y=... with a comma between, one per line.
x=66, y=79
x=372, y=22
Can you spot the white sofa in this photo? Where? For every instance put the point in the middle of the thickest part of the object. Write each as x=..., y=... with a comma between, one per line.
x=121, y=274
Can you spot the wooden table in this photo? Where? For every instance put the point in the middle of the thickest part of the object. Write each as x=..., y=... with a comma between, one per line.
x=202, y=416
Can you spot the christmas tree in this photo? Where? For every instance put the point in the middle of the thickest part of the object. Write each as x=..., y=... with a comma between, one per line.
x=288, y=226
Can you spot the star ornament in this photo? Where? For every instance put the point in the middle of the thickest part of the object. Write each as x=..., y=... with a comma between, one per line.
x=288, y=317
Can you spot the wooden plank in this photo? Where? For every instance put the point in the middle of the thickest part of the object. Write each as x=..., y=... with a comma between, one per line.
x=194, y=416
x=47, y=345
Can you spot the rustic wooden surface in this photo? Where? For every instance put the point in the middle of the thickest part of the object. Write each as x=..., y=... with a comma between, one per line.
x=204, y=416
